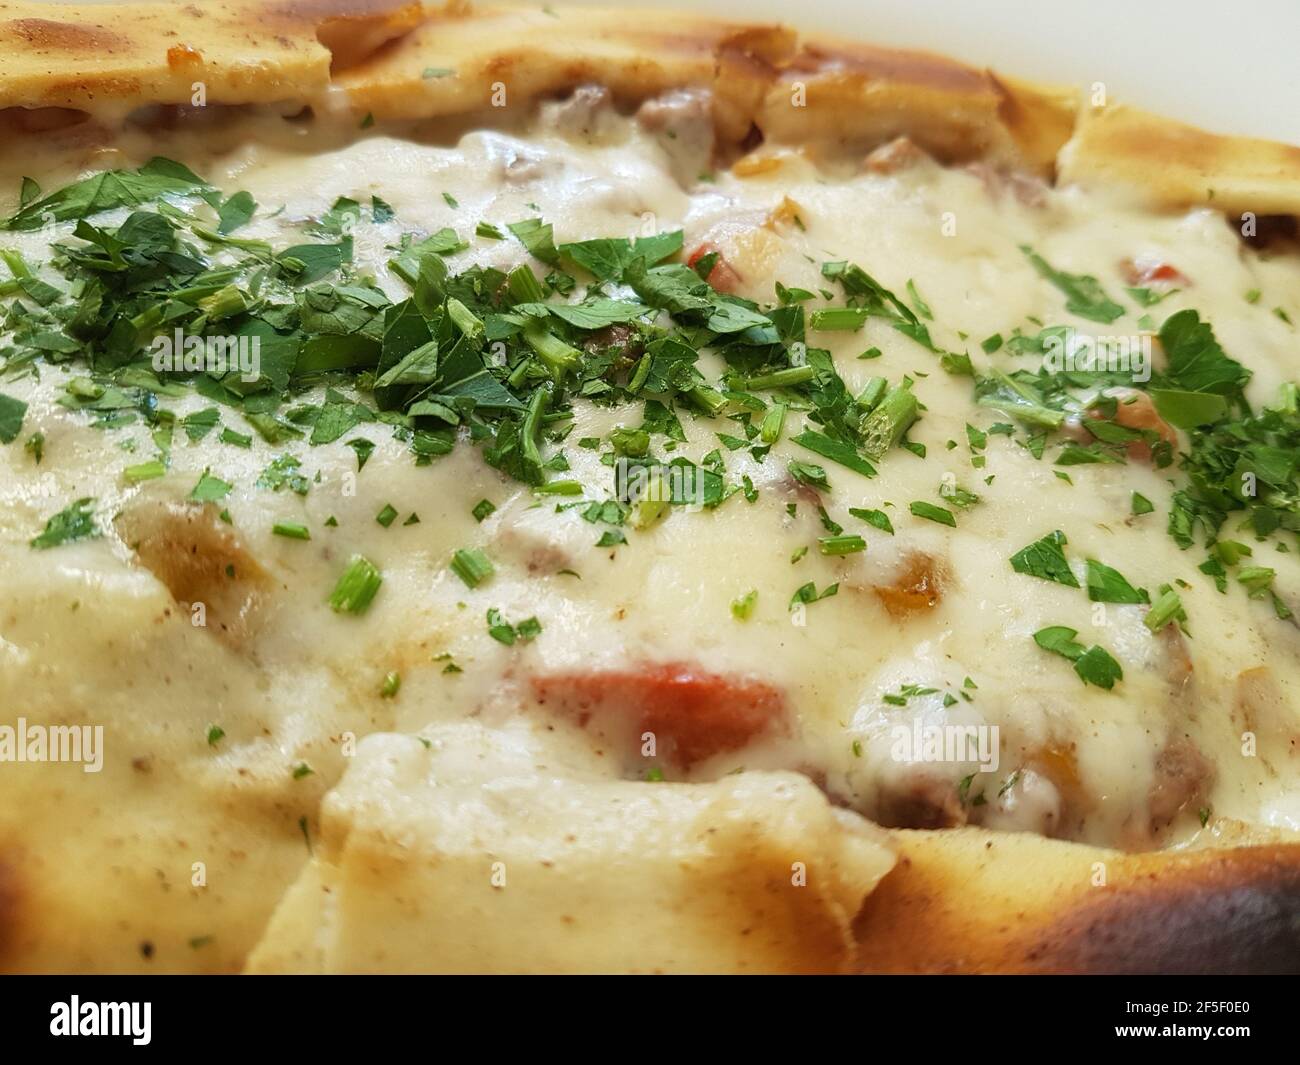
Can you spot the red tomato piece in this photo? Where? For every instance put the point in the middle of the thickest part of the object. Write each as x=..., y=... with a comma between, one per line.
x=693, y=714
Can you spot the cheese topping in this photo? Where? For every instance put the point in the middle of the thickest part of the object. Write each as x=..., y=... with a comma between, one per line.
x=871, y=632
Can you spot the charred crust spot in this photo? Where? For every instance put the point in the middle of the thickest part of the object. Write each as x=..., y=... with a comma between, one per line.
x=889, y=65
x=1236, y=916
x=9, y=904
x=1270, y=230
x=65, y=36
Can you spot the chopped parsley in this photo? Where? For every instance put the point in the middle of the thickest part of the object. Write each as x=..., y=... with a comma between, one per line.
x=75, y=522
x=1094, y=665
x=209, y=489
x=504, y=632
x=1045, y=558
x=1107, y=585
x=931, y=512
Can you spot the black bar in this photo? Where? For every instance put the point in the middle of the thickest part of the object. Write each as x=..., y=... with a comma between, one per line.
x=868, y=1015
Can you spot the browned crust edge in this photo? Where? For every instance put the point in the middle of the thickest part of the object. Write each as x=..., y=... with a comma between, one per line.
x=971, y=901
x=375, y=57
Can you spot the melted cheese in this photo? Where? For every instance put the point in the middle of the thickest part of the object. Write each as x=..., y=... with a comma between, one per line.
x=87, y=634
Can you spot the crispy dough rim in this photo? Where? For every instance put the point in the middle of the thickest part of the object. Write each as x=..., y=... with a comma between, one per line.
x=390, y=58
x=962, y=900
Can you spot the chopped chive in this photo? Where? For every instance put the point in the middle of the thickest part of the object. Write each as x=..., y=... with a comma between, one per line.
x=386, y=516
x=872, y=393
x=391, y=686
x=357, y=587
x=773, y=421
x=472, y=566
x=838, y=319
x=847, y=544
x=794, y=375
x=482, y=509
x=884, y=427
x=1164, y=610
x=1256, y=580
x=559, y=488
x=145, y=471
x=291, y=530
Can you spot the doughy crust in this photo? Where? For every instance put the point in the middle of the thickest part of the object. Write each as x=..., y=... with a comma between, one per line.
x=1174, y=165
x=963, y=900
x=117, y=57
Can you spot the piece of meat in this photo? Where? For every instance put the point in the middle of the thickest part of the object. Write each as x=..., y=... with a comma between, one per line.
x=1026, y=802
x=917, y=586
x=1136, y=410
x=1183, y=775
x=201, y=560
x=922, y=800
x=1261, y=707
x=1026, y=188
x=1176, y=657
x=693, y=714
x=586, y=113
x=899, y=154
x=681, y=121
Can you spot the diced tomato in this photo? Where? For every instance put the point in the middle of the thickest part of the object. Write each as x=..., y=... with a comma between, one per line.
x=692, y=714
x=722, y=277
x=1142, y=272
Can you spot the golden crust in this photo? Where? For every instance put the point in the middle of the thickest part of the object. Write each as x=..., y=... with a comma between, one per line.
x=420, y=866
x=1174, y=165
x=91, y=56
x=861, y=96
x=504, y=58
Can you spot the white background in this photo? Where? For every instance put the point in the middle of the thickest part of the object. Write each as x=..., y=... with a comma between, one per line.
x=1227, y=65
